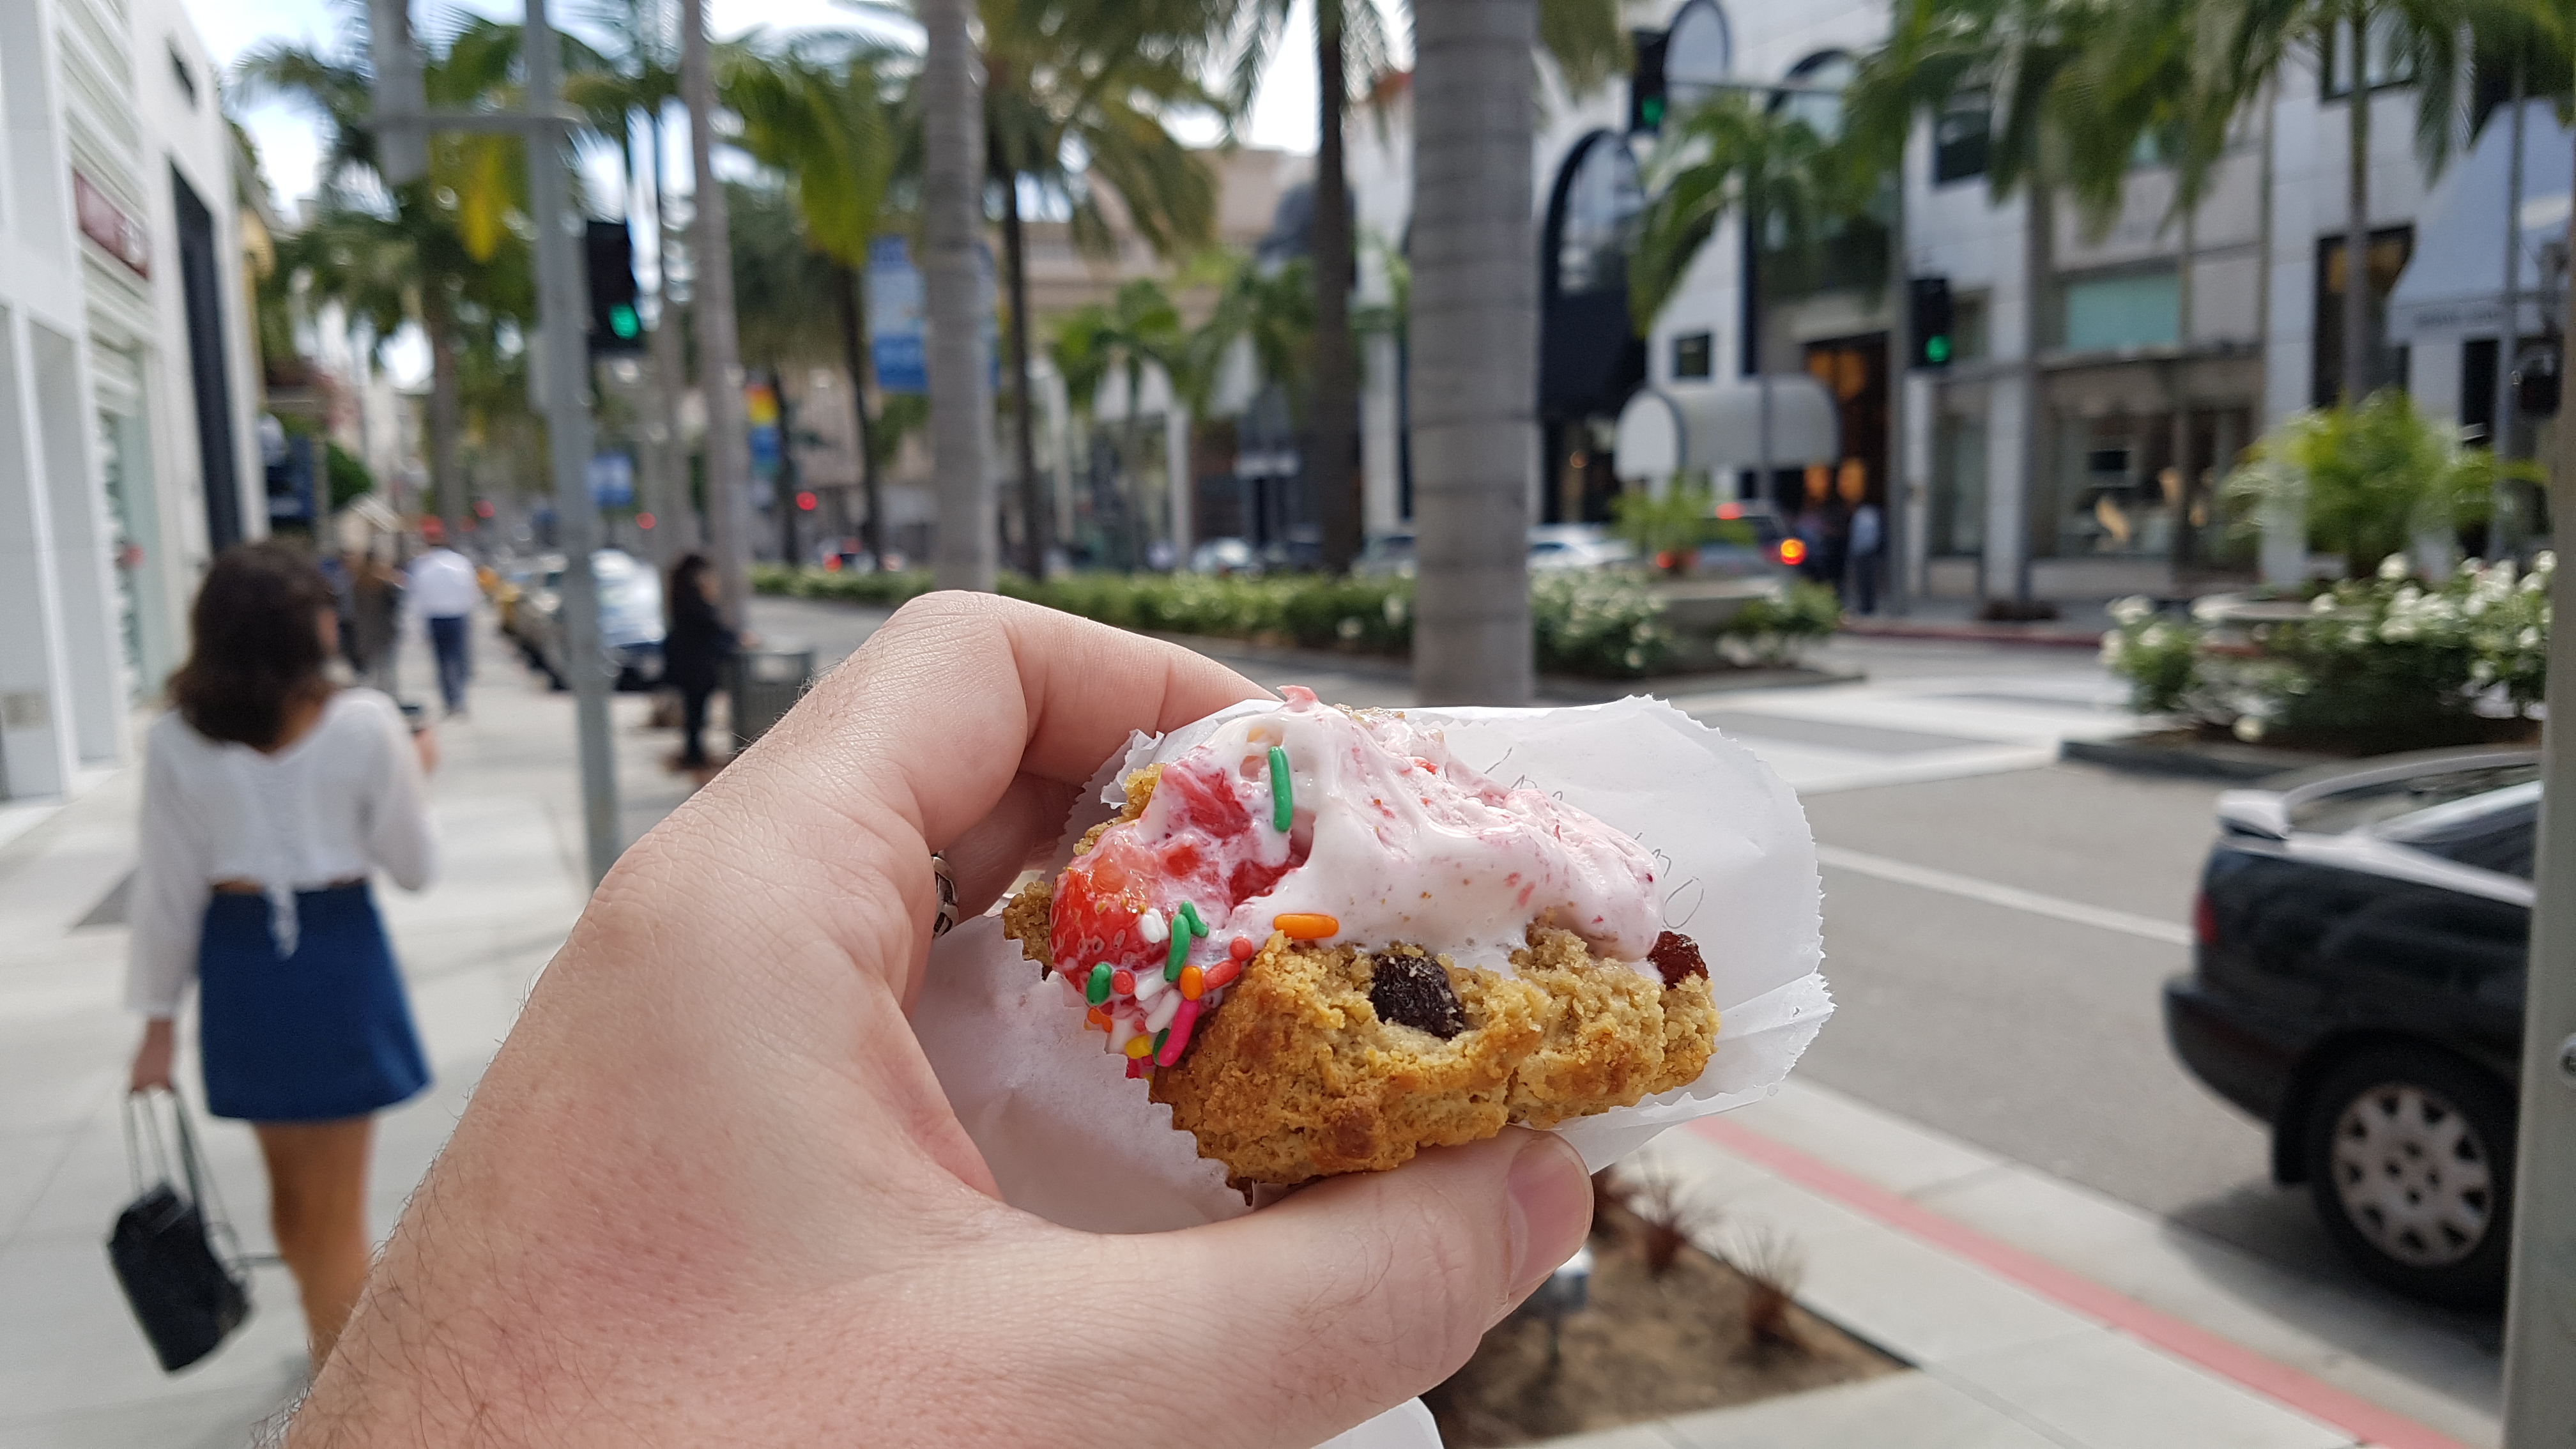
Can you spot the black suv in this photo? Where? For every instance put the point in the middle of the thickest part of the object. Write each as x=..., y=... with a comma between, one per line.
x=2358, y=984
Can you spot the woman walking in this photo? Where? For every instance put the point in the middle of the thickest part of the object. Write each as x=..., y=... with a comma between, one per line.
x=694, y=649
x=269, y=798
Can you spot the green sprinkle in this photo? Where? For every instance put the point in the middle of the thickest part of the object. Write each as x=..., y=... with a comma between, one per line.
x=1159, y=1038
x=1190, y=911
x=1283, y=802
x=1180, y=955
x=1096, y=990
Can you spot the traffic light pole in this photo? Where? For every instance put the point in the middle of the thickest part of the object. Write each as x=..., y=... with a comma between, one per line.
x=559, y=371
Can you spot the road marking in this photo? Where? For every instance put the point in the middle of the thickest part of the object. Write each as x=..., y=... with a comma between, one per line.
x=2010, y=898
x=2366, y=1421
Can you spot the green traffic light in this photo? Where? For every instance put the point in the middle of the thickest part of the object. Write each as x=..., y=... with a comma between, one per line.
x=623, y=321
x=1936, y=348
x=1652, y=110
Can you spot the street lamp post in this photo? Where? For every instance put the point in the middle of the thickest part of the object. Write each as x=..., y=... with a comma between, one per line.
x=560, y=376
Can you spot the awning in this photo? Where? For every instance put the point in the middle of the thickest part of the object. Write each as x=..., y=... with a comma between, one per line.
x=2453, y=287
x=1717, y=427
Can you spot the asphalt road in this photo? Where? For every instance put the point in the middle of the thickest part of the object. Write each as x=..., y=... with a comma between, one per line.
x=2036, y=1037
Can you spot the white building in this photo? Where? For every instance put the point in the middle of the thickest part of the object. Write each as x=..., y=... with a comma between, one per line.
x=2141, y=409
x=128, y=384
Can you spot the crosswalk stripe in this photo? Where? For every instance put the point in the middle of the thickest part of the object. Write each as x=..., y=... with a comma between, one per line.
x=2009, y=897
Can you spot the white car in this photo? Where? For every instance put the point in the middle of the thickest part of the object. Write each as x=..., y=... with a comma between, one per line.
x=1557, y=546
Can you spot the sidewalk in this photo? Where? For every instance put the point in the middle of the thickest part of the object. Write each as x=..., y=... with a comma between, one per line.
x=2036, y=1313
x=74, y=1371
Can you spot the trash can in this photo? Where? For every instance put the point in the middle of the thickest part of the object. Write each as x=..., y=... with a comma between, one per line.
x=763, y=684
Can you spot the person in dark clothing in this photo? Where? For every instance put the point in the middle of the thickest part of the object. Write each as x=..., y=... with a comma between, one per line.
x=694, y=650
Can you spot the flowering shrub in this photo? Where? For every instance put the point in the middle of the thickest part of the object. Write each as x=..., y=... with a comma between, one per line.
x=1775, y=632
x=1600, y=624
x=2387, y=661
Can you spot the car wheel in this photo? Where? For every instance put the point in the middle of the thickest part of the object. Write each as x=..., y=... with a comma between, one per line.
x=2410, y=1160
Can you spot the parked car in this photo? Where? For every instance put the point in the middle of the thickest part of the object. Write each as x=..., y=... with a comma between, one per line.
x=630, y=620
x=515, y=581
x=1752, y=543
x=1560, y=546
x=1386, y=556
x=2358, y=984
x=1224, y=556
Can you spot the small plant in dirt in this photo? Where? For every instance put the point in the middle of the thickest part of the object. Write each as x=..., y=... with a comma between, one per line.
x=1610, y=1194
x=1773, y=1267
x=1667, y=1218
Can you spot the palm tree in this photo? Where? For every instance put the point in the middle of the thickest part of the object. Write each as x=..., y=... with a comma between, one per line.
x=2254, y=39
x=1586, y=40
x=952, y=215
x=1076, y=98
x=1137, y=329
x=827, y=125
x=1474, y=334
x=456, y=220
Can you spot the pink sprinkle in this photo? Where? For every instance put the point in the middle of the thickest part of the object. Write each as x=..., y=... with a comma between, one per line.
x=1173, y=1045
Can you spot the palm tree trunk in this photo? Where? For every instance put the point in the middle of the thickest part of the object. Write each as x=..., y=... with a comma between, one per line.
x=791, y=478
x=1036, y=536
x=1332, y=415
x=965, y=554
x=2356, y=236
x=675, y=513
x=1475, y=347
x=719, y=367
x=445, y=407
x=854, y=357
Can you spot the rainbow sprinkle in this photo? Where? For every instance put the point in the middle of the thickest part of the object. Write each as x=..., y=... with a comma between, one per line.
x=1283, y=801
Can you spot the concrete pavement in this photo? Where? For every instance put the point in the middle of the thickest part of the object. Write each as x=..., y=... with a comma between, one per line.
x=1998, y=1360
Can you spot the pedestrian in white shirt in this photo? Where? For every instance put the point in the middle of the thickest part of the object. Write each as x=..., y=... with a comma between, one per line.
x=443, y=593
x=269, y=797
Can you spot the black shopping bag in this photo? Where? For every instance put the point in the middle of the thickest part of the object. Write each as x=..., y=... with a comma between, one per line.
x=187, y=1298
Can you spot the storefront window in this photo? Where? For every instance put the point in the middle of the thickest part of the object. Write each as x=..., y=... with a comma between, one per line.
x=2107, y=314
x=1958, y=524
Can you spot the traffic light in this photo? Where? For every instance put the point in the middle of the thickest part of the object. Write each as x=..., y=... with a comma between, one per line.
x=1646, y=83
x=1932, y=322
x=615, y=325
x=2535, y=383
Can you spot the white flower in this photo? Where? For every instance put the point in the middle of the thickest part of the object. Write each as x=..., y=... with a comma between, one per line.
x=2322, y=604
x=2545, y=561
x=2482, y=674
x=2131, y=609
x=2393, y=567
x=2248, y=728
x=2112, y=649
x=2154, y=636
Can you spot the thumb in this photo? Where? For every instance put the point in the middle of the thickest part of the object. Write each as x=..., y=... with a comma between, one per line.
x=1356, y=1294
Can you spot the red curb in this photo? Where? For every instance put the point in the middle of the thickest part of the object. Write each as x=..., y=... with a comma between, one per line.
x=2224, y=1357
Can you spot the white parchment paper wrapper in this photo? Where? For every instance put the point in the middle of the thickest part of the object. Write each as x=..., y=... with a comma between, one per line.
x=1070, y=1138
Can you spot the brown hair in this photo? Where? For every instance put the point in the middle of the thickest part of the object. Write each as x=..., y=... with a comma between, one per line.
x=256, y=647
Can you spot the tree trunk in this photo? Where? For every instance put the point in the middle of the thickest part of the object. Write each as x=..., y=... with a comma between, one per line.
x=854, y=356
x=2356, y=236
x=445, y=409
x=1332, y=410
x=1037, y=537
x=952, y=218
x=675, y=513
x=719, y=367
x=791, y=478
x=1475, y=348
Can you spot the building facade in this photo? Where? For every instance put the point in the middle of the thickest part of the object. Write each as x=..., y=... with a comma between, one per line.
x=2105, y=379
x=128, y=385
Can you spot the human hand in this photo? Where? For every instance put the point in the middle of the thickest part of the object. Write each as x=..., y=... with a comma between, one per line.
x=709, y=1190
x=152, y=1058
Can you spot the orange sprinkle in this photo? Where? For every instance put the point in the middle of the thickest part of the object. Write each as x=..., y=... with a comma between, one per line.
x=1138, y=1047
x=1192, y=983
x=1305, y=926
x=1095, y=1019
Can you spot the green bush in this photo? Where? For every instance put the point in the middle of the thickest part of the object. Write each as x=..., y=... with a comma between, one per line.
x=1606, y=625
x=2386, y=662
x=1774, y=632
x=849, y=586
x=2368, y=479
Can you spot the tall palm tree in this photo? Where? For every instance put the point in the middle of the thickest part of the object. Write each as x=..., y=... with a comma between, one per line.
x=951, y=107
x=1137, y=329
x=1474, y=335
x=1586, y=40
x=820, y=114
x=2254, y=39
x=1077, y=95
x=456, y=219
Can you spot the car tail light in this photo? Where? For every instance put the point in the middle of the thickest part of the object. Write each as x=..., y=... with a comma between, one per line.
x=1793, y=552
x=2204, y=920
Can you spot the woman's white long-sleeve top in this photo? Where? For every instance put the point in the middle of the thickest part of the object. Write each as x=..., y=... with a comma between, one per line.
x=340, y=802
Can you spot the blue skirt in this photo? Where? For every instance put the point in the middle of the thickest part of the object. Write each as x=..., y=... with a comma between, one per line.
x=320, y=1035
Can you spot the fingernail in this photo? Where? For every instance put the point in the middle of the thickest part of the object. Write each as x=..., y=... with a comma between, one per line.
x=1551, y=1198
